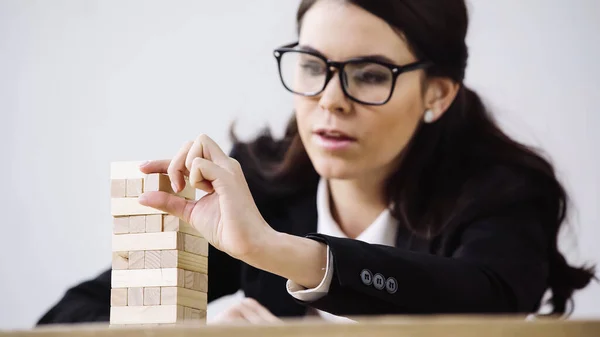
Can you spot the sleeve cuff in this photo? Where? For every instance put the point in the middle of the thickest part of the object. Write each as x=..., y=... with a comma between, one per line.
x=313, y=294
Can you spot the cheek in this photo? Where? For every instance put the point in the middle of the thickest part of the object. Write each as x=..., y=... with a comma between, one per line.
x=394, y=124
x=303, y=107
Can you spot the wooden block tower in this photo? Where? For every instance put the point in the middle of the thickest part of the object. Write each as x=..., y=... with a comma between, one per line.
x=159, y=263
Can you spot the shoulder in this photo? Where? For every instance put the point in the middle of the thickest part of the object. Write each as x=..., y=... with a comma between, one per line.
x=514, y=194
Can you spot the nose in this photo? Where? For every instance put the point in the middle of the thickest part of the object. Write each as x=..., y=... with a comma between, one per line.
x=333, y=98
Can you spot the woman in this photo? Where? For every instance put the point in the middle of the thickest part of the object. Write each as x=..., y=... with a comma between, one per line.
x=392, y=192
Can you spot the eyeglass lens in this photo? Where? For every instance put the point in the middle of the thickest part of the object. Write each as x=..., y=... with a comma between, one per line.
x=306, y=74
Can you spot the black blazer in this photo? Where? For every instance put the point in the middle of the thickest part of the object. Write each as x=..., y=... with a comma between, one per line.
x=488, y=261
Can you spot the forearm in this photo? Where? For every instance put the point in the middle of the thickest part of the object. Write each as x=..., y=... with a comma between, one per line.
x=296, y=258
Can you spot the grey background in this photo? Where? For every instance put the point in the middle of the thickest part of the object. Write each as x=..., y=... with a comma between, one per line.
x=84, y=83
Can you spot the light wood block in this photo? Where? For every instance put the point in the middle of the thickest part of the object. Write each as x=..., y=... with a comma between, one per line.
x=200, y=282
x=154, y=223
x=184, y=260
x=168, y=259
x=130, y=206
x=174, y=224
x=148, y=241
x=126, y=170
x=118, y=188
x=188, y=279
x=165, y=277
x=195, y=316
x=121, y=225
x=120, y=260
x=136, y=260
x=183, y=296
x=135, y=187
x=162, y=182
x=118, y=297
x=137, y=224
x=195, y=245
x=135, y=297
x=146, y=314
x=152, y=259
x=152, y=296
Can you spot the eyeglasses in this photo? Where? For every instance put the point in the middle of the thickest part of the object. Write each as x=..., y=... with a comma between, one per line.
x=364, y=80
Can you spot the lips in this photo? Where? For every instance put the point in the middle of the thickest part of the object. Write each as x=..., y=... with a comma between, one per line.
x=333, y=134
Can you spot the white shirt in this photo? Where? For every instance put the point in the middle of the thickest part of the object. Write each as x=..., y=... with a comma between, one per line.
x=381, y=231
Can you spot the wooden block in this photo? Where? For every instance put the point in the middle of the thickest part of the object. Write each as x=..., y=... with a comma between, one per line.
x=185, y=297
x=174, y=224
x=154, y=223
x=180, y=277
x=197, y=315
x=120, y=225
x=126, y=170
x=200, y=282
x=152, y=296
x=191, y=315
x=118, y=188
x=184, y=260
x=118, y=297
x=135, y=297
x=188, y=279
x=146, y=314
x=120, y=260
x=165, y=277
x=168, y=259
x=147, y=241
x=152, y=259
x=137, y=224
x=135, y=187
x=195, y=245
x=136, y=260
x=130, y=206
x=161, y=182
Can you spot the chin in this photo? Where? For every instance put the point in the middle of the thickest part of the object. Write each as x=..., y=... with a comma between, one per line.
x=335, y=168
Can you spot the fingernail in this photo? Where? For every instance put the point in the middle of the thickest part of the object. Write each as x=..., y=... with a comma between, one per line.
x=144, y=163
x=142, y=198
x=174, y=187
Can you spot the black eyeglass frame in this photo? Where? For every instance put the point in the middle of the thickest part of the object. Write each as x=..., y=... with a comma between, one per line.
x=394, y=68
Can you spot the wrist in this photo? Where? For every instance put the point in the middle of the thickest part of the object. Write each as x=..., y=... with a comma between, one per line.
x=259, y=247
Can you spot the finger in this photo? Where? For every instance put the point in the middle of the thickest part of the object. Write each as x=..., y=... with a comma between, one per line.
x=166, y=202
x=260, y=310
x=196, y=151
x=212, y=151
x=204, y=175
x=177, y=170
x=155, y=166
x=249, y=313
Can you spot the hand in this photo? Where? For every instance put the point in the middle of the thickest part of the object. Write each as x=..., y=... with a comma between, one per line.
x=247, y=311
x=227, y=217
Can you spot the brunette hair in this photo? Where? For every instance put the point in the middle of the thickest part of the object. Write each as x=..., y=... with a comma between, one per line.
x=438, y=176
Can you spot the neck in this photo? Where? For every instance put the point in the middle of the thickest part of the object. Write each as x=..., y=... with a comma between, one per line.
x=355, y=204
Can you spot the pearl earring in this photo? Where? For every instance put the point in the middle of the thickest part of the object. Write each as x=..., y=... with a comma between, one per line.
x=429, y=116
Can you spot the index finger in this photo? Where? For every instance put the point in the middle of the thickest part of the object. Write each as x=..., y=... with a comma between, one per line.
x=155, y=166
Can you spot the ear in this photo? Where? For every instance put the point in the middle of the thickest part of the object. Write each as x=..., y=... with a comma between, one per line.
x=439, y=95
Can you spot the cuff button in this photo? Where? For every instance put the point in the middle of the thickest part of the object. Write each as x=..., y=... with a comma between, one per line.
x=391, y=285
x=366, y=276
x=379, y=281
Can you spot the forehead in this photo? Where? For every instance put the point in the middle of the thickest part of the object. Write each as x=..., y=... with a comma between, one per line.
x=341, y=31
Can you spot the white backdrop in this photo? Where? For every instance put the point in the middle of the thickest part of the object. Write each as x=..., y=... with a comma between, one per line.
x=84, y=83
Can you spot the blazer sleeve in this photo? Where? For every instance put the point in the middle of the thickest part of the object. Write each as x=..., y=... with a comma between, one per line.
x=499, y=266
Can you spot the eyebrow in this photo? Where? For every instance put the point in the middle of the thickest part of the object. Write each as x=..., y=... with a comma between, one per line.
x=375, y=57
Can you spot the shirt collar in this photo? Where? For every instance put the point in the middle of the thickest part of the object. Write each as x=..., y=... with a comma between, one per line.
x=381, y=231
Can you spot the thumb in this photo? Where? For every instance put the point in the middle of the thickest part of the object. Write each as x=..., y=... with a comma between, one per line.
x=166, y=202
